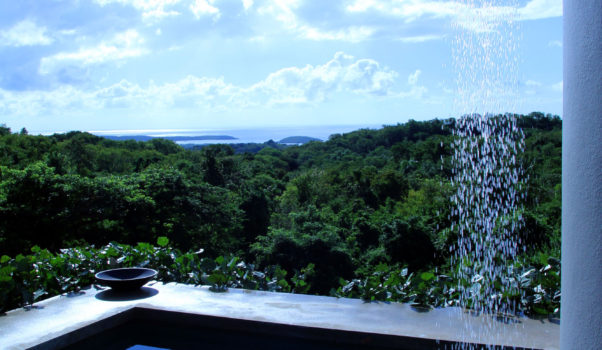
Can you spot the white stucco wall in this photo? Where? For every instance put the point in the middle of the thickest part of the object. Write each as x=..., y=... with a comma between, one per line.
x=581, y=313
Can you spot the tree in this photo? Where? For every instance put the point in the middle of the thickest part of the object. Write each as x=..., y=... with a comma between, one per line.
x=4, y=130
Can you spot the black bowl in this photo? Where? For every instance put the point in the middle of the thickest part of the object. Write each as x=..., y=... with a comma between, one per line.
x=126, y=279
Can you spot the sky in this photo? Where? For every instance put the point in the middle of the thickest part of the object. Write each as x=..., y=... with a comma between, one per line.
x=96, y=65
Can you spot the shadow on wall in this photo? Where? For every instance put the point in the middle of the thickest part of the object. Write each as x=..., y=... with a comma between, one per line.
x=142, y=293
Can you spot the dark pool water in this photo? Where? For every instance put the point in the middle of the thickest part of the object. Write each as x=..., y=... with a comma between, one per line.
x=150, y=329
x=145, y=335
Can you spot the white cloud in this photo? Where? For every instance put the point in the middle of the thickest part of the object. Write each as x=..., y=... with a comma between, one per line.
x=258, y=39
x=555, y=43
x=539, y=9
x=558, y=86
x=408, y=11
x=25, y=33
x=124, y=45
x=317, y=83
x=202, y=8
x=194, y=92
x=463, y=14
x=484, y=19
x=188, y=92
x=122, y=94
x=68, y=32
x=351, y=34
x=343, y=74
x=420, y=38
x=414, y=9
x=416, y=91
x=247, y=4
x=284, y=12
x=532, y=83
x=413, y=78
x=150, y=9
x=35, y=103
x=532, y=87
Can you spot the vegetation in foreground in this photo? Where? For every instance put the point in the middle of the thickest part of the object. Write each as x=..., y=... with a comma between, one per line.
x=365, y=214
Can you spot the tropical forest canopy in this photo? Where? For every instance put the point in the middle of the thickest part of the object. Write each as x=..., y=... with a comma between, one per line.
x=349, y=207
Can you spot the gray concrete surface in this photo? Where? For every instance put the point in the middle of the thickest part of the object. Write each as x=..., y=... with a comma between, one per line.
x=581, y=310
x=62, y=314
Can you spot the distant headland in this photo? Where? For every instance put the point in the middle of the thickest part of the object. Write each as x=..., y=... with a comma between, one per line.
x=298, y=140
x=171, y=138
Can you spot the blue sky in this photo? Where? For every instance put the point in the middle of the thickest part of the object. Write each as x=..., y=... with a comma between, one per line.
x=195, y=64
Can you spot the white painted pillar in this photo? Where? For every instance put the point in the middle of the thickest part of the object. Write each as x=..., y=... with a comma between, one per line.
x=581, y=308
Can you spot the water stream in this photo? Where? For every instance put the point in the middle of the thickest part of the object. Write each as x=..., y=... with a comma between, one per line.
x=489, y=180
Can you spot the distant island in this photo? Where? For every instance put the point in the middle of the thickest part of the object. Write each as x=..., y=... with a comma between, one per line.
x=298, y=140
x=291, y=140
x=171, y=138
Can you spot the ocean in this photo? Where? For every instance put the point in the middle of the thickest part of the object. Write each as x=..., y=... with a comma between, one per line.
x=246, y=135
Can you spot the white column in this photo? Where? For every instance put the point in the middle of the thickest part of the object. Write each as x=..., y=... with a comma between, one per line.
x=581, y=308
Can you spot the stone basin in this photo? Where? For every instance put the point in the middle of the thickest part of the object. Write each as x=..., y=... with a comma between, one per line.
x=126, y=279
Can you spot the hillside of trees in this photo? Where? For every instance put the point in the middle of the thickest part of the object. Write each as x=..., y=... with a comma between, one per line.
x=359, y=204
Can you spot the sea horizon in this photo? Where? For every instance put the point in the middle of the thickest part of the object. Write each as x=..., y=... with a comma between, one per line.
x=240, y=135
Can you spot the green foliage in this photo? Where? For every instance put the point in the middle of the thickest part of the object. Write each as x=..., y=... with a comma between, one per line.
x=38, y=206
x=162, y=241
x=534, y=288
x=408, y=242
x=391, y=283
x=25, y=279
x=357, y=207
x=319, y=247
x=4, y=130
x=539, y=283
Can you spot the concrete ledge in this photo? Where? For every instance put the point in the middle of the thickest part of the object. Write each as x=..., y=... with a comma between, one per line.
x=141, y=325
x=65, y=320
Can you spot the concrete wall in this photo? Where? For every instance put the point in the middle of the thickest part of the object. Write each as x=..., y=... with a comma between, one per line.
x=581, y=313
